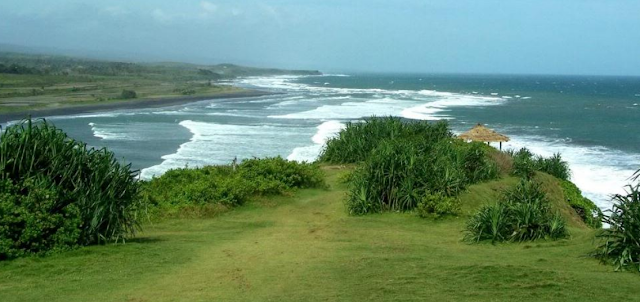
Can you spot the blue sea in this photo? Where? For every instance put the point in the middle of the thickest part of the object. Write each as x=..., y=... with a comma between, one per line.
x=592, y=121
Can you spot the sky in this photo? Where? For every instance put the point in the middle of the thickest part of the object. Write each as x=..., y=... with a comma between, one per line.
x=416, y=36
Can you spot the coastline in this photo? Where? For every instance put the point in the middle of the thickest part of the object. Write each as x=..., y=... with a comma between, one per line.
x=128, y=104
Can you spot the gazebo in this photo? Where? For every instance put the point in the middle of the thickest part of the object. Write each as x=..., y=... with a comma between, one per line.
x=480, y=133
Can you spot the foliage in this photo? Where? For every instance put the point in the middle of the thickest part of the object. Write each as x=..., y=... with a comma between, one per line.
x=50, y=182
x=621, y=241
x=437, y=204
x=30, y=221
x=354, y=143
x=522, y=214
x=525, y=164
x=586, y=209
x=128, y=94
x=228, y=185
x=553, y=165
x=276, y=175
x=17, y=69
x=407, y=159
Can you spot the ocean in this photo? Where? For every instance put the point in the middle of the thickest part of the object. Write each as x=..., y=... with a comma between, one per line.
x=592, y=121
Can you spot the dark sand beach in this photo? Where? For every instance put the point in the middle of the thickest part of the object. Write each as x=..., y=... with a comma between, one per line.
x=128, y=104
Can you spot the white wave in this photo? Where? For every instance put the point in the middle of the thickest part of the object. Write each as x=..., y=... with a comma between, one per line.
x=230, y=114
x=433, y=110
x=325, y=131
x=351, y=110
x=213, y=144
x=109, y=133
x=598, y=171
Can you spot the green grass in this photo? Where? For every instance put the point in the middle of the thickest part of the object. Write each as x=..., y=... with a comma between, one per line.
x=306, y=247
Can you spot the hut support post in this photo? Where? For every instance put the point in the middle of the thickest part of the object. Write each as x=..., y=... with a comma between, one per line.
x=500, y=146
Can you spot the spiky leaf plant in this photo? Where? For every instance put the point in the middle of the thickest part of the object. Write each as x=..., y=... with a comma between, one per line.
x=35, y=155
x=621, y=241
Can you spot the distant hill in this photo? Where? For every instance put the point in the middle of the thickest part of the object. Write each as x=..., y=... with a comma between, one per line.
x=54, y=64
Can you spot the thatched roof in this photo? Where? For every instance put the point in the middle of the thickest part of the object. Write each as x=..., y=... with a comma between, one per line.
x=481, y=133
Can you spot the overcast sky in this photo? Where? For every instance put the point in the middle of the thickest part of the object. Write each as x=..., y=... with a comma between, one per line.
x=469, y=36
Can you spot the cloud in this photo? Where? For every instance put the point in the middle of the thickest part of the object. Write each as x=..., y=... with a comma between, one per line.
x=208, y=7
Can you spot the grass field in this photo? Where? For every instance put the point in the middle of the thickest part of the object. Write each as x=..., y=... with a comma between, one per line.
x=306, y=248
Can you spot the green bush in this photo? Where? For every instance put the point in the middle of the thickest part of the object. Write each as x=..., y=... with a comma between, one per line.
x=354, y=143
x=553, y=165
x=400, y=161
x=522, y=214
x=49, y=182
x=585, y=208
x=30, y=221
x=437, y=205
x=275, y=175
x=128, y=94
x=229, y=186
x=621, y=241
x=525, y=165
x=391, y=179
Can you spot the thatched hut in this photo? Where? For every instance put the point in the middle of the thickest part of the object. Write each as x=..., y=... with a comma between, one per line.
x=480, y=133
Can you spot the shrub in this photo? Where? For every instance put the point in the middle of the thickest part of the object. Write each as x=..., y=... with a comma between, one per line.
x=437, y=205
x=585, y=208
x=128, y=94
x=399, y=161
x=553, y=165
x=31, y=222
x=503, y=161
x=44, y=171
x=523, y=164
x=522, y=214
x=478, y=166
x=621, y=241
x=228, y=186
x=390, y=180
x=354, y=143
x=275, y=175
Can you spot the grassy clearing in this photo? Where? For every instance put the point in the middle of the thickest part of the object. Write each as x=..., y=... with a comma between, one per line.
x=306, y=247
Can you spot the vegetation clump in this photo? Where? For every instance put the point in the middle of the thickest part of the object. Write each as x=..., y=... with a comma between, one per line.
x=584, y=207
x=523, y=213
x=525, y=164
x=55, y=193
x=229, y=185
x=621, y=241
x=437, y=205
x=402, y=161
x=128, y=94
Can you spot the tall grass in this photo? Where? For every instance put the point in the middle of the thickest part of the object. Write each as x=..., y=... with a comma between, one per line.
x=37, y=155
x=523, y=213
x=526, y=163
x=402, y=161
x=621, y=241
x=354, y=143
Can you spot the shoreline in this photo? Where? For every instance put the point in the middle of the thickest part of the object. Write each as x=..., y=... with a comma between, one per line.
x=128, y=104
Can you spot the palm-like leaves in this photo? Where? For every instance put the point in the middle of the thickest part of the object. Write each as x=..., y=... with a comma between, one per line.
x=621, y=241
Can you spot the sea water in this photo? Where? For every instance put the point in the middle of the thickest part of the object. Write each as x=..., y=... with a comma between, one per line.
x=592, y=121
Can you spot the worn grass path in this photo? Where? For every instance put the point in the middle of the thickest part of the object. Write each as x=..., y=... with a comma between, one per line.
x=306, y=248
